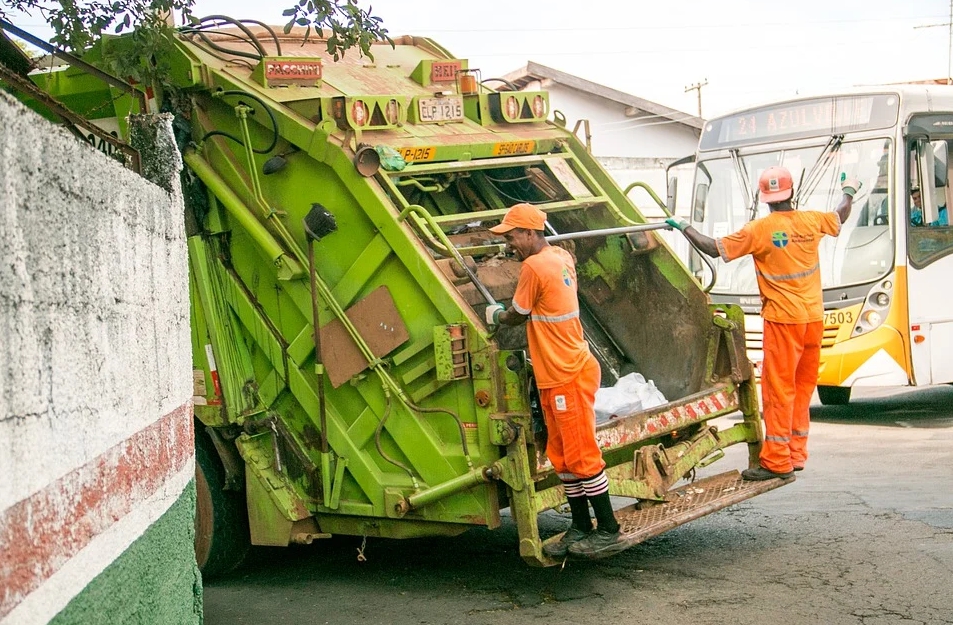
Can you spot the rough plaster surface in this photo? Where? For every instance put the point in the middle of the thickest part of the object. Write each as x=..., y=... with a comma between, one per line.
x=94, y=360
x=94, y=328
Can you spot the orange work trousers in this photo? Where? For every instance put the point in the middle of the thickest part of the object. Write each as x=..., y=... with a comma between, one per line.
x=792, y=353
x=571, y=424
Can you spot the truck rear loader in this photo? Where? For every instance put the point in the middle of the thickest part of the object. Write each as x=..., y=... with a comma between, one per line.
x=354, y=197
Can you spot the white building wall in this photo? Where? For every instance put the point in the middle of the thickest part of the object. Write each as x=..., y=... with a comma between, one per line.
x=632, y=149
x=615, y=134
x=95, y=369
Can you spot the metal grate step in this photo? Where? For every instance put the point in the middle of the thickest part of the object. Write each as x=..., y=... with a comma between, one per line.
x=687, y=503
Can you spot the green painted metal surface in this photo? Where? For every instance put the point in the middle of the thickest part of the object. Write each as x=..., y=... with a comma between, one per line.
x=426, y=414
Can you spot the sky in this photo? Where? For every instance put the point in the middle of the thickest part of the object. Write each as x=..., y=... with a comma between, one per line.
x=749, y=52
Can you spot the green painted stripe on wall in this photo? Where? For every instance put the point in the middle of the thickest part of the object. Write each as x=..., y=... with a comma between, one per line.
x=161, y=562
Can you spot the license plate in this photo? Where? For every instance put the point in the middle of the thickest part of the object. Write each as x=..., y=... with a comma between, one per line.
x=513, y=148
x=440, y=109
x=838, y=318
x=418, y=153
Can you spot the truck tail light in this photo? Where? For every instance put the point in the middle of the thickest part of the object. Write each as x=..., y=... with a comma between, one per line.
x=359, y=113
x=512, y=107
x=539, y=107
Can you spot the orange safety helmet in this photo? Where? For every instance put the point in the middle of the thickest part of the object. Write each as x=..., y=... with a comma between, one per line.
x=776, y=184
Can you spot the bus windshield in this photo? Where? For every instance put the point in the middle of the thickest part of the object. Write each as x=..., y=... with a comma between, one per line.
x=864, y=250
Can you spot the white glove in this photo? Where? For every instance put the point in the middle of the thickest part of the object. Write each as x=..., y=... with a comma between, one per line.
x=849, y=186
x=493, y=312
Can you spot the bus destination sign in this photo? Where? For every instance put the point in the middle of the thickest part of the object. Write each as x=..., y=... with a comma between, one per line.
x=800, y=119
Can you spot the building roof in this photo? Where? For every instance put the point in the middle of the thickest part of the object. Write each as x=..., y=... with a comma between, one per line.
x=534, y=71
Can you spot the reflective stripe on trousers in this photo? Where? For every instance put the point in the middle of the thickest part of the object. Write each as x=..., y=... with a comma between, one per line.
x=792, y=353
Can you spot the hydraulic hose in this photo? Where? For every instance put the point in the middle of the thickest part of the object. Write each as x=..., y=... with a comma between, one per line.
x=271, y=116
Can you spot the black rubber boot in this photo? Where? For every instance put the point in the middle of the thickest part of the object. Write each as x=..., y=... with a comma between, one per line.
x=560, y=548
x=759, y=474
x=606, y=539
x=580, y=528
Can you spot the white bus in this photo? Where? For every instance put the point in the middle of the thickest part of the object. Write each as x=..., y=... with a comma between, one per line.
x=888, y=277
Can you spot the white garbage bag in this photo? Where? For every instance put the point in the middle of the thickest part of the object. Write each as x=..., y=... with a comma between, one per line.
x=630, y=394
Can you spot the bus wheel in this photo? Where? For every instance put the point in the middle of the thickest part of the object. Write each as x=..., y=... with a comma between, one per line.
x=834, y=395
x=221, y=517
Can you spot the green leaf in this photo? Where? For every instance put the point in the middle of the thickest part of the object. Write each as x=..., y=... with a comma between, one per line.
x=290, y=11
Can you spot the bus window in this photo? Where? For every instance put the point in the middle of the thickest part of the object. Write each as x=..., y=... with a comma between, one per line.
x=930, y=236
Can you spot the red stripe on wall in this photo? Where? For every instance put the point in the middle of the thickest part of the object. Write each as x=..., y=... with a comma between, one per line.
x=39, y=534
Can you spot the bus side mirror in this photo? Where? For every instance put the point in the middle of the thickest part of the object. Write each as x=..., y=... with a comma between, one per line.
x=671, y=194
x=701, y=199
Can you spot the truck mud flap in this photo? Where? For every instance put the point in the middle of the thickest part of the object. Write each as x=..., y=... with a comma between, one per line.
x=687, y=503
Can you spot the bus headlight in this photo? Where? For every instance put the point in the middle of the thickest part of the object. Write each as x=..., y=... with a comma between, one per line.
x=872, y=318
x=875, y=308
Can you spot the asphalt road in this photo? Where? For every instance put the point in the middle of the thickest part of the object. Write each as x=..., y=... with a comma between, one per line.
x=864, y=536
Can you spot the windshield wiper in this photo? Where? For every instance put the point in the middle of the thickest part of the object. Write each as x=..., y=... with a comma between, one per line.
x=742, y=174
x=807, y=186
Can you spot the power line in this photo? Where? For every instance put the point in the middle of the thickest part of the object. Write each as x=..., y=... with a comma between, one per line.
x=853, y=43
x=949, y=53
x=718, y=26
x=697, y=87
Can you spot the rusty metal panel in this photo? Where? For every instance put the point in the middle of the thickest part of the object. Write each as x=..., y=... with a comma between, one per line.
x=641, y=426
x=380, y=325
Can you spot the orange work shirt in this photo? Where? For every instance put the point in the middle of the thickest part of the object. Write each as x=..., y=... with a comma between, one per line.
x=546, y=291
x=784, y=246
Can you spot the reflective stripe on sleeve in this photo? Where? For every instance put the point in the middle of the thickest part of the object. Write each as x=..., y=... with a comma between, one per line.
x=520, y=309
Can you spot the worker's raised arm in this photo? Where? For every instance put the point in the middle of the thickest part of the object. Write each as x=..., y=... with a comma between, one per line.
x=850, y=186
x=700, y=241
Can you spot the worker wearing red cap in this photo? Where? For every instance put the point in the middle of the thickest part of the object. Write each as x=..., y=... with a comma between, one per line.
x=784, y=246
x=567, y=376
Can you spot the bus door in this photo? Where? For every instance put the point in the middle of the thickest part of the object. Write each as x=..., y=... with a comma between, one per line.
x=930, y=257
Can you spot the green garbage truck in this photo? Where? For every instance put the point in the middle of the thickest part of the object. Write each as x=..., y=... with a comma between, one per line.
x=337, y=215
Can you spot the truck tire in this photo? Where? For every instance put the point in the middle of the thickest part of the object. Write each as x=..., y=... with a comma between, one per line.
x=221, y=516
x=834, y=395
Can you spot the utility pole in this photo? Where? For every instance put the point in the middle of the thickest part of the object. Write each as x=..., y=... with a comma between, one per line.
x=949, y=52
x=698, y=85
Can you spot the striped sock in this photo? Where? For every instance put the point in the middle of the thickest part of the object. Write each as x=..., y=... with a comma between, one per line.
x=596, y=485
x=578, y=505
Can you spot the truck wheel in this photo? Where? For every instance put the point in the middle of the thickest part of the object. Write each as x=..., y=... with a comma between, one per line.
x=834, y=395
x=221, y=516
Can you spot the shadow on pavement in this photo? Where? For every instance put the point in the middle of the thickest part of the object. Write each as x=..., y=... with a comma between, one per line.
x=924, y=407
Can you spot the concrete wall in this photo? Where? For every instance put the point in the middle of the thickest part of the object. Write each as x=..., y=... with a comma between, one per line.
x=96, y=449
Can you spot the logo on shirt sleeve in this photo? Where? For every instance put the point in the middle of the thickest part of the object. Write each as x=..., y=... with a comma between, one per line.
x=567, y=278
x=779, y=238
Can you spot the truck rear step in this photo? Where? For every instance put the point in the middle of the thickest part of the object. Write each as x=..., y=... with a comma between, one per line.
x=687, y=503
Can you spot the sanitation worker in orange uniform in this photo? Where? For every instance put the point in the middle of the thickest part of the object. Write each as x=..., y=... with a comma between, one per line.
x=567, y=376
x=784, y=246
